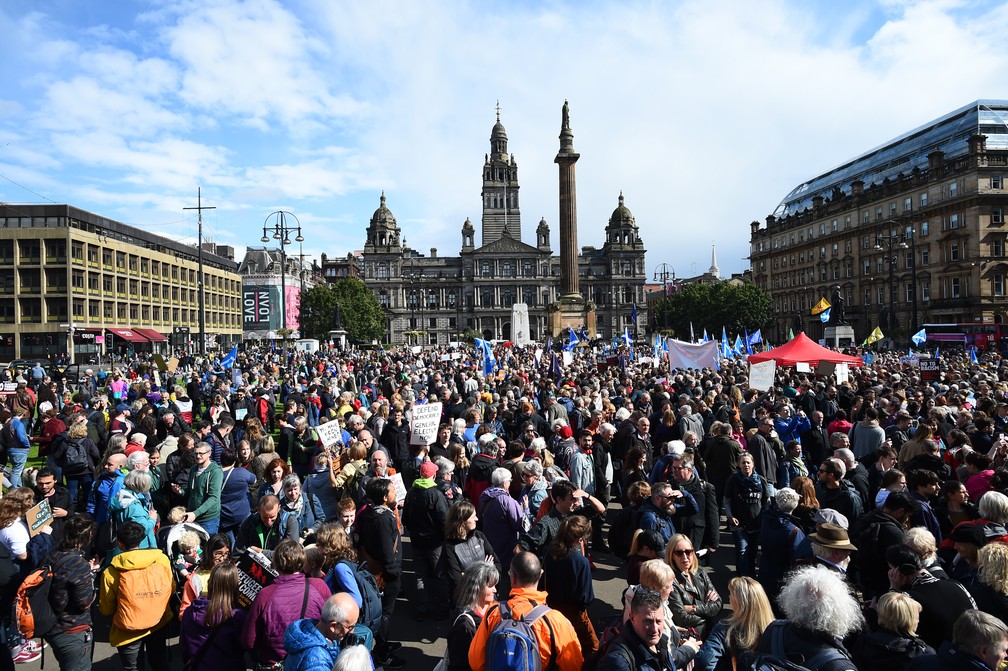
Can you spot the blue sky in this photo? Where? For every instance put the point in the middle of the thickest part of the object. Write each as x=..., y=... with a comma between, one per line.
x=704, y=114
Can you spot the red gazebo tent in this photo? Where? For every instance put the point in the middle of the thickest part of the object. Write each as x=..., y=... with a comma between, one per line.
x=805, y=350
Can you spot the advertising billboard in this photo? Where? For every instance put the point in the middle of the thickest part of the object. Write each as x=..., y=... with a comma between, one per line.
x=260, y=308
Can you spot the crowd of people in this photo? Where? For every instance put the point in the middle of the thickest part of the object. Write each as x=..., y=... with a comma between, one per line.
x=867, y=515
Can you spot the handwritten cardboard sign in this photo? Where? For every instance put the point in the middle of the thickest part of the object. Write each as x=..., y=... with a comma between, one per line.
x=329, y=433
x=425, y=422
x=761, y=375
x=38, y=516
x=400, y=487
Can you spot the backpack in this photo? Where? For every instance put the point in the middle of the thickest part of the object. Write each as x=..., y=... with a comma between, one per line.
x=607, y=642
x=371, y=603
x=33, y=612
x=143, y=597
x=776, y=659
x=75, y=458
x=513, y=646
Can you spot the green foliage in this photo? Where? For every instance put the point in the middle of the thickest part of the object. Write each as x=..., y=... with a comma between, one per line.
x=361, y=315
x=713, y=306
x=470, y=335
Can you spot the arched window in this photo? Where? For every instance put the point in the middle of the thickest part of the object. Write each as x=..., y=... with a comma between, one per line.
x=507, y=270
x=432, y=299
x=528, y=269
x=507, y=297
x=486, y=298
x=452, y=299
x=411, y=299
x=383, y=271
x=485, y=269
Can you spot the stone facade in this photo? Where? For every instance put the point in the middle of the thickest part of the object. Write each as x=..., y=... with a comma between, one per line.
x=430, y=299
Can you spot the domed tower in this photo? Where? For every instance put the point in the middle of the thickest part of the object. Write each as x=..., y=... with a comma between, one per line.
x=543, y=236
x=500, y=188
x=468, y=233
x=382, y=232
x=621, y=231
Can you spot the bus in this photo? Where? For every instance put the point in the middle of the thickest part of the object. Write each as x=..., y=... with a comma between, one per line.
x=985, y=336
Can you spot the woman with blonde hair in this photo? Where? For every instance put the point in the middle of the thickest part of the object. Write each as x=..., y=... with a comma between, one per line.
x=732, y=642
x=259, y=440
x=694, y=602
x=894, y=643
x=990, y=590
x=354, y=466
x=658, y=577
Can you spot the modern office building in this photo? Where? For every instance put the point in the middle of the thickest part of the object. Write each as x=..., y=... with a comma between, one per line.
x=71, y=276
x=912, y=232
x=432, y=298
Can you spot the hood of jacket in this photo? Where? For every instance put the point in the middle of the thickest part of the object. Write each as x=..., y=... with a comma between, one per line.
x=124, y=498
x=137, y=559
x=303, y=635
x=492, y=493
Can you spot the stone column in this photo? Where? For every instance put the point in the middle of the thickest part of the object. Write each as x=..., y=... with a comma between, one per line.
x=566, y=158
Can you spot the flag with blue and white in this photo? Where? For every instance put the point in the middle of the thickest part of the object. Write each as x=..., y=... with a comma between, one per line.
x=737, y=348
x=572, y=341
x=726, y=350
x=824, y=315
x=973, y=356
x=485, y=352
x=229, y=360
x=919, y=338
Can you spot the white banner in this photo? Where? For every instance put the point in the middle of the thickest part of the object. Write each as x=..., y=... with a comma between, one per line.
x=424, y=424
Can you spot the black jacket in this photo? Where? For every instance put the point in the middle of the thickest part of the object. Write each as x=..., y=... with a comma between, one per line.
x=702, y=527
x=251, y=534
x=424, y=512
x=873, y=534
x=71, y=591
x=885, y=651
x=377, y=534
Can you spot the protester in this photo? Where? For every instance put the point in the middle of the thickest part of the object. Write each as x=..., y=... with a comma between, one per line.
x=71, y=594
x=475, y=594
x=211, y=627
x=732, y=642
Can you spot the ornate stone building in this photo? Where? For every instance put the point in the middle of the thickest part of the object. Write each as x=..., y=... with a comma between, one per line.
x=430, y=299
x=913, y=232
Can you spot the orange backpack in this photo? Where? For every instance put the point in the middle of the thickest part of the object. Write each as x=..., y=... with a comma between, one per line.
x=143, y=597
x=32, y=610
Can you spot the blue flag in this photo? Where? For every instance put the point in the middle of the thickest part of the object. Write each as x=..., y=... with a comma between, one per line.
x=824, y=315
x=633, y=315
x=726, y=350
x=737, y=349
x=973, y=356
x=919, y=337
x=571, y=341
x=706, y=338
x=232, y=356
x=485, y=352
x=555, y=369
x=936, y=352
x=748, y=349
x=583, y=333
x=756, y=337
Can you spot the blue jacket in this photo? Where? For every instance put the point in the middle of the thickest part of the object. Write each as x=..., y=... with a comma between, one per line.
x=128, y=506
x=652, y=518
x=235, y=499
x=98, y=498
x=791, y=429
x=311, y=515
x=309, y=650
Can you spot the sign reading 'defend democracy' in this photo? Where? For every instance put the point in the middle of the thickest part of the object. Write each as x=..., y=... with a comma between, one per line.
x=423, y=427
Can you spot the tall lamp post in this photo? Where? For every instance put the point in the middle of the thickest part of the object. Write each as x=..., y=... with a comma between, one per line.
x=662, y=274
x=281, y=230
x=886, y=243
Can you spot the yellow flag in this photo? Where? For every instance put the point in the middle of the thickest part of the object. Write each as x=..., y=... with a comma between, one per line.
x=875, y=336
x=820, y=306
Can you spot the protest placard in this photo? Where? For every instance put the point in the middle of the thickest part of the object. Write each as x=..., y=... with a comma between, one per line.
x=254, y=573
x=424, y=425
x=38, y=516
x=400, y=487
x=761, y=375
x=330, y=433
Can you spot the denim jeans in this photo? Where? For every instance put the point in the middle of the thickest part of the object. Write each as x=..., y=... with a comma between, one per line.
x=79, y=486
x=210, y=526
x=18, y=458
x=73, y=651
x=746, y=547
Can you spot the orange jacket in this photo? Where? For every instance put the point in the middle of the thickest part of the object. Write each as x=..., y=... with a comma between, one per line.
x=521, y=601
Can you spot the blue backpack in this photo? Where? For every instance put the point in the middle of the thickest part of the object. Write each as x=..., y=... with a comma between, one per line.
x=371, y=604
x=512, y=645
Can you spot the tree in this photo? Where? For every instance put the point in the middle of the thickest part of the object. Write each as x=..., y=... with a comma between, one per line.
x=360, y=314
x=736, y=308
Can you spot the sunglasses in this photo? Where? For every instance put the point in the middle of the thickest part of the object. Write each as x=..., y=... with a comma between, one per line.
x=683, y=553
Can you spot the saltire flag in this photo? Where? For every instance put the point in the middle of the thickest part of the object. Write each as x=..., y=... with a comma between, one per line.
x=973, y=356
x=232, y=356
x=874, y=336
x=629, y=343
x=485, y=351
x=706, y=338
x=823, y=304
x=737, y=347
x=824, y=315
x=919, y=337
x=583, y=333
x=725, y=346
x=571, y=342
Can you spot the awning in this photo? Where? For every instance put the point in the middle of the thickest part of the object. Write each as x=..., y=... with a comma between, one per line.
x=151, y=335
x=127, y=334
